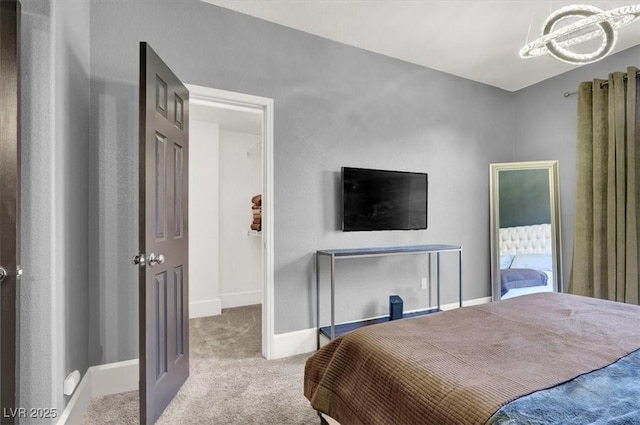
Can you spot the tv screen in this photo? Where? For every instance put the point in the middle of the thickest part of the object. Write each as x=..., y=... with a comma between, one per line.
x=383, y=200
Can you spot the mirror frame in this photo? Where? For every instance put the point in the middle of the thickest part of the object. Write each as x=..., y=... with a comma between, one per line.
x=554, y=190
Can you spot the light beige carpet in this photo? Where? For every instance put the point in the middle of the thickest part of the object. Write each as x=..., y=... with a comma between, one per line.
x=230, y=383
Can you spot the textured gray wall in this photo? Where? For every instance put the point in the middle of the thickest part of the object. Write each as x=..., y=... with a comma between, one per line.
x=71, y=124
x=36, y=289
x=546, y=129
x=54, y=289
x=334, y=105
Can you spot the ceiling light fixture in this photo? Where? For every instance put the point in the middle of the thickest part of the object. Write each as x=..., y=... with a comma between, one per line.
x=557, y=41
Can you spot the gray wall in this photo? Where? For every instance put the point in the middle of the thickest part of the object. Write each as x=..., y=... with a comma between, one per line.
x=36, y=291
x=71, y=106
x=334, y=105
x=53, y=291
x=546, y=129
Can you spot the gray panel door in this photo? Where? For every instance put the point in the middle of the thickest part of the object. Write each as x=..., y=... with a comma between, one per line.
x=164, y=293
x=9, y=204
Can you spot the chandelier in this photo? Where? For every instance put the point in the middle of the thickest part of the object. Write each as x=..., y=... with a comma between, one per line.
x=593, y=22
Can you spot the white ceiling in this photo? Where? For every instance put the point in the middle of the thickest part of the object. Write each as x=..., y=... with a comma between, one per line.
x=474, y=39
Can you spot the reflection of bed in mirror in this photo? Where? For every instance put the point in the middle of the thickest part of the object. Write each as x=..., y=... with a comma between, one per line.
x=526, y=256
x=526, y=261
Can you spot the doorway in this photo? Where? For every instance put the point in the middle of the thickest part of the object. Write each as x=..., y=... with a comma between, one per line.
x=231, y=264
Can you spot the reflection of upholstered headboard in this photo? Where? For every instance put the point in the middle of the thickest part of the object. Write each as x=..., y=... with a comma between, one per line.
x=534, y=239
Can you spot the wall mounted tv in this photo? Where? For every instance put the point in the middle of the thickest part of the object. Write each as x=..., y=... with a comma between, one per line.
x=383, y=200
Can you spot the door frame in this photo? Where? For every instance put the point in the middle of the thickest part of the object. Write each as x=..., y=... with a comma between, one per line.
x=233, y=100
x=10, y=164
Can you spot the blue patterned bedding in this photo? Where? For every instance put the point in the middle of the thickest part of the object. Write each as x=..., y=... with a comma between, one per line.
x=608, y=396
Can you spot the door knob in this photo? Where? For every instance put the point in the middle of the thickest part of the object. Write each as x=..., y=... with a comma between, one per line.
x=139, y=259
x=156, y=259
x=4, y=273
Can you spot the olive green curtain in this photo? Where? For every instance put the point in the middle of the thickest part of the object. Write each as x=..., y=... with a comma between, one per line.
x=605, y=251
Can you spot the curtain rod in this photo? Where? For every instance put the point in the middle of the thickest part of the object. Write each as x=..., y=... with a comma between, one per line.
x=604, y=83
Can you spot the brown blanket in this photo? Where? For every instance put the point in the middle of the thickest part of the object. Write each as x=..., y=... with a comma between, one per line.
x=460, y=366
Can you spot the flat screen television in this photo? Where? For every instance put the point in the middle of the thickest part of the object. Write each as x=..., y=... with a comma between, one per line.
x=383, y=200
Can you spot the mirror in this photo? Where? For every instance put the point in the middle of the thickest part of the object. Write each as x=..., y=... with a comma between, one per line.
x=525, y=229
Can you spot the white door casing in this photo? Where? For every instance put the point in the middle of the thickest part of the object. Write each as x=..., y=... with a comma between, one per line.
x=239, y=101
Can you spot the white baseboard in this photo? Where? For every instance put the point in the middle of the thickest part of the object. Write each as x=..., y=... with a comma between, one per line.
x=304, y=341
x=292, y=343
x=467, y=303
x=115, y=378
x=239, y=299
x=112, y=378
x=77, y=406
x=205, y=308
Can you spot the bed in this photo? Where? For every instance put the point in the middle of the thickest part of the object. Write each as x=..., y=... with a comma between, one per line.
x=526, y=261
x=472, y=365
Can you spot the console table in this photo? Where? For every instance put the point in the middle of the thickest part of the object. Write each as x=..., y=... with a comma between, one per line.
x=337, y=254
